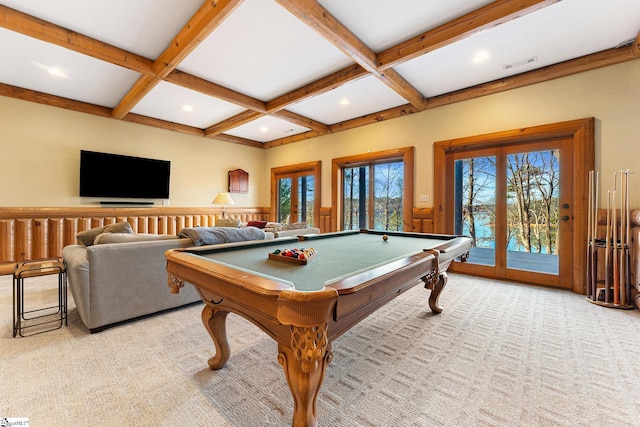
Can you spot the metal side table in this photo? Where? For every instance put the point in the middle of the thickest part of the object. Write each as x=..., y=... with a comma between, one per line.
x=35, y=321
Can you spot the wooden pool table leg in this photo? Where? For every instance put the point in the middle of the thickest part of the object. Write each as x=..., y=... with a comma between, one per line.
x=436, y=287
x=215, y=322
x=304, y=382
x=304, y=348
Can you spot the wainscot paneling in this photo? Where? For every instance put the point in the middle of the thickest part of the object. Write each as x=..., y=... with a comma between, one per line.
x=422, y=220
x=33, y=233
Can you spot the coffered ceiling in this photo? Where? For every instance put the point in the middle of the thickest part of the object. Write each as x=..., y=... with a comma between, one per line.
x=270, y=72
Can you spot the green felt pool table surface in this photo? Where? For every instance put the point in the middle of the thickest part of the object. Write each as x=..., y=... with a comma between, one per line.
x=337, y=257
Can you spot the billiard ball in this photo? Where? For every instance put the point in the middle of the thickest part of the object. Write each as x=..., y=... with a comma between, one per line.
x=385, y=237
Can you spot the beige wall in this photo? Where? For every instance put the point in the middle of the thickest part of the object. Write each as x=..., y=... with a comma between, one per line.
x=40, y=145
x=40, y=157
x=611, y=95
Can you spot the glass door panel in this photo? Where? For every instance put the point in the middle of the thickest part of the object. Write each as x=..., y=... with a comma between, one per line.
x=284, y=200
x=356, y=198
x=387, y=198
x=533, y=191
x=306, y=199
x=475, y=206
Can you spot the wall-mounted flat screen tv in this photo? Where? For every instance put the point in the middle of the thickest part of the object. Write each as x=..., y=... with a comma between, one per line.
x=115, y=175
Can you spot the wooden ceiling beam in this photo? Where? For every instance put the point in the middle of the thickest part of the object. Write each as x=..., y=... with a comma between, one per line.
x=192, y=82
x=53, y=100
x=486, y=17
x=301, y=121
x=210, y=15
x=47, y=32
x=204, y=21
x=139, y=90
x=319, y=19
x=232, y=122
x=318, y=87
x=291, y=139
x=163, y=124
x=237, y=140
x=635, y=46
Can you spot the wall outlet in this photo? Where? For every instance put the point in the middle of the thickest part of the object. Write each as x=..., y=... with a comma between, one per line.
x=423, y=198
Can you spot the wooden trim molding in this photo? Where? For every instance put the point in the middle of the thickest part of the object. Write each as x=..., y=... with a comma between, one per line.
x=325, y=220
x=423, y=220
x=33, y=233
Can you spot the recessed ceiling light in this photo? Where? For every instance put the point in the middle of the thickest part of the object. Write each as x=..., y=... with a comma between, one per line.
x=188, y=108
x=480, y=56
x=264, y=129
x=52, y=71
x=344, y=101
x=57, y=72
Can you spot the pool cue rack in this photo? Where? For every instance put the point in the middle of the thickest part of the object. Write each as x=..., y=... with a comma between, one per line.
x=608, y=258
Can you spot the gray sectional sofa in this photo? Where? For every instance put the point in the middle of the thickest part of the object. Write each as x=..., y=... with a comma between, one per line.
x=116, y=276
x=114, y=282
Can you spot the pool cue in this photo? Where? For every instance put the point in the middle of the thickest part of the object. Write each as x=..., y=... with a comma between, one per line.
x=594, y=234
x=622, y=269
x=614, y=231
x=628, y=235
x=589, y=239
x=607, y=282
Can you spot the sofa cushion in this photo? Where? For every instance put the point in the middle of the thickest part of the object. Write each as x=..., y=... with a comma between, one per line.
x=292, y=226
x=88, y=237
x=126, y=237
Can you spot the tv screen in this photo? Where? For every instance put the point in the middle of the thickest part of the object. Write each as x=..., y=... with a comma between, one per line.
x=114, y=175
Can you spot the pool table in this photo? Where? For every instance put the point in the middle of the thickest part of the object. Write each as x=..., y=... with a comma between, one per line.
x=304, y=308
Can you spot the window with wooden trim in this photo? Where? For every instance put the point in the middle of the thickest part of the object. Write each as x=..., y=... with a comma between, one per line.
x=374, y=190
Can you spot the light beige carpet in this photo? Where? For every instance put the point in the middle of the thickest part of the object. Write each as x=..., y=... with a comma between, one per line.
x=500, y=354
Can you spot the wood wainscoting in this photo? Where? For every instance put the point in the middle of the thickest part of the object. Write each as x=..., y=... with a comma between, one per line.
x=33, y=233
x=422, y=220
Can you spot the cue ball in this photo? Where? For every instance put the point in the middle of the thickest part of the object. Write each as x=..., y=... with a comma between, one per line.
x=385, y=237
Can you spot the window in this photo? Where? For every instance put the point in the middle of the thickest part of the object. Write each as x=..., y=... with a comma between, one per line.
x=374, y=190
x=373, y=196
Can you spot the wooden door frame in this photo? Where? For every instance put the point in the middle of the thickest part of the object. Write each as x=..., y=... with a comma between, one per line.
x=309, y=168
x=580, y=131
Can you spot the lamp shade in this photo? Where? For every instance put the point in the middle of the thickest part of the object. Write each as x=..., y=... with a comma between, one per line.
x=223, y=199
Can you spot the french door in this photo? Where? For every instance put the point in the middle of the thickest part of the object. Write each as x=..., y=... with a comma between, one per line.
x=295, y=193
x=522, y=159
x=511, y=201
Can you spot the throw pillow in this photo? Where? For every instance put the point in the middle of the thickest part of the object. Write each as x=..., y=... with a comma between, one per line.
x=88, y=237
x=119, y=227
x=228, y=222
x=257, y=224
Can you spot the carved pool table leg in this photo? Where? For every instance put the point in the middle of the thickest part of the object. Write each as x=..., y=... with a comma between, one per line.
x=215, y=322
x=304, y=384
x=436, y=287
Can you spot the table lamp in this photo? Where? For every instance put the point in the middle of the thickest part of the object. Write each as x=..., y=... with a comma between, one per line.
x=223, y=199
